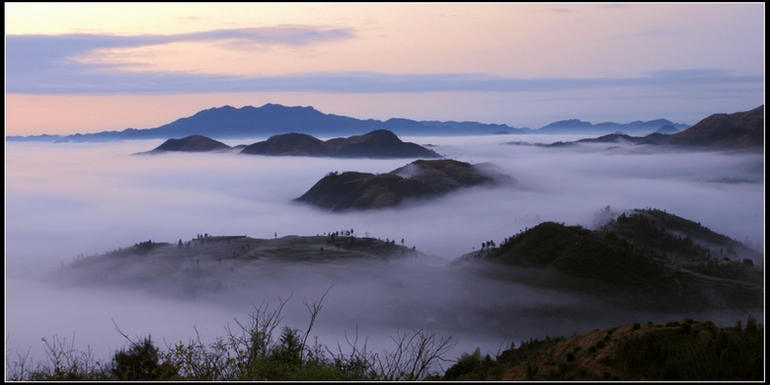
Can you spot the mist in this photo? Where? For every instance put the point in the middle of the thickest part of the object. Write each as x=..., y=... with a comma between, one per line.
x=68, y=200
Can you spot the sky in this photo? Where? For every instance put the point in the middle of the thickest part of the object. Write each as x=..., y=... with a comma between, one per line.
x=78, y=68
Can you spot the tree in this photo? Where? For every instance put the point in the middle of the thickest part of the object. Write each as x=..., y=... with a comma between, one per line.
x=140, y=362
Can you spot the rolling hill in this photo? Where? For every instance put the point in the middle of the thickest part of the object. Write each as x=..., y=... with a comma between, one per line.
x=192, y=143
x=375, y=144
x=420, y=179
x=628, y=264
x=739, y=130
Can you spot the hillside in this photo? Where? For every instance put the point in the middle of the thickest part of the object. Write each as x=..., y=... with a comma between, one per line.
x=419, y=179
x=212, y=263
x=638, y=127
x=738, y=130
x=690, y=350
x=612, y=266
x=275, y=119
x=679, y=239
x=375, y=144
x=192, y=143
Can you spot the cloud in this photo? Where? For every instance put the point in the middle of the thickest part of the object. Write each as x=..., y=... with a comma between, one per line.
x=49, y=64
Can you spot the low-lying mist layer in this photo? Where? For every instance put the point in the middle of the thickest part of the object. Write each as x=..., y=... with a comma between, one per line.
x=66, y=201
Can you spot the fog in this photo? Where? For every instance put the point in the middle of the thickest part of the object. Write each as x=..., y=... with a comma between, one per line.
x=71, y=199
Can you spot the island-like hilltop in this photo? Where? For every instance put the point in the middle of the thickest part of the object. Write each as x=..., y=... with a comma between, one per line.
x=640, y=260
x=375, y=144
x=419, y=179
x=212, y=263
x=379, y=144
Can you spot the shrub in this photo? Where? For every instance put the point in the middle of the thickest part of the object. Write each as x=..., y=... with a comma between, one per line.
x=140, y=362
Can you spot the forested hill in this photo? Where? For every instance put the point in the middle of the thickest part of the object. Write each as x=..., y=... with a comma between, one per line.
x=643, y=261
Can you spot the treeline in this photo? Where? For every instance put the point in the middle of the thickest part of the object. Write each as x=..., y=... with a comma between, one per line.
x=689, y=350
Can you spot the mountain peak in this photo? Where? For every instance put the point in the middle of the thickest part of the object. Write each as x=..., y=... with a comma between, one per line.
x=192, y=143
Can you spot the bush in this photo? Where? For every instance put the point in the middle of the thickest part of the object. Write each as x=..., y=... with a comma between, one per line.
x=140, y=362
x=247, y=353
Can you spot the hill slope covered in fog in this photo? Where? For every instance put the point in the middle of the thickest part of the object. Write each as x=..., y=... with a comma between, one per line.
x=627, y=263
x=730, y=131
x=419, y=179
x=214, y=263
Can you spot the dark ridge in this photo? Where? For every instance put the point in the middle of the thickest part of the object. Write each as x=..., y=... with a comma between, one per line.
x=291, y=144
x=376, y=144
x=419, y=179
x=627, y=264
x=192, y=143
x=275, y=119
x=740, y=130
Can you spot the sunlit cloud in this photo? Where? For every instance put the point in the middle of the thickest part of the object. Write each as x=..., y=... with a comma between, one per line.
x=47, y=64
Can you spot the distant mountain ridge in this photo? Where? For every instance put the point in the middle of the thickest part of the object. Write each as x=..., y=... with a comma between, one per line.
x=679, y=266
x=273, y=119
x=730, y=131
x=737, y=131
x=636, y=128
x=192, y=143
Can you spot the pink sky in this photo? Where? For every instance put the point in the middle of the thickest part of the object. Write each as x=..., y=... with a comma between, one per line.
x=85, y=68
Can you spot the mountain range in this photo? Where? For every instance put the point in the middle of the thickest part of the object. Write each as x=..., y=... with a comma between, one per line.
x=737, y=131
x=375, y=144
x=272, y=119
x=379, y=144
x=643, y=260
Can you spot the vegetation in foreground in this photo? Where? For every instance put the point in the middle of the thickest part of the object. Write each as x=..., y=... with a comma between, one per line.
x=687, y=350
x=249, y=353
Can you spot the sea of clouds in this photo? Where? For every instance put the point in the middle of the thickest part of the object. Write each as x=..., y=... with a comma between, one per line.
x=69, y=200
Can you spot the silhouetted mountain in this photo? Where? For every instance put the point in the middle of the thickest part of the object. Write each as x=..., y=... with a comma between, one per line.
x=33, y=138
x=275, y=119
x=209, y=263
x=740, y=130
x=419, y=179
x=575, y=126
x=192, y=143
x=376, y=144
